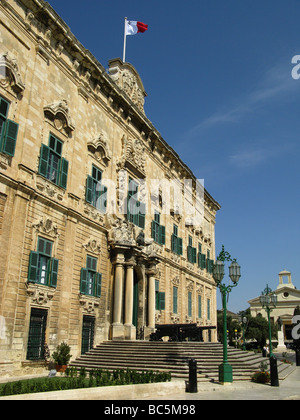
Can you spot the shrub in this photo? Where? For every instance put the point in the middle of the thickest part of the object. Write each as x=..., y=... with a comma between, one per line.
x=97, y=377
x=261, y=377
x=62, y=354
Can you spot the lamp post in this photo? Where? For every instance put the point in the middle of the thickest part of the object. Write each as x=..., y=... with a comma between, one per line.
x=225, y=369
x=269, y=301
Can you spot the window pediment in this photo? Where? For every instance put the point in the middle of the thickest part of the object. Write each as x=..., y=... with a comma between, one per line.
x=58, y=115
x=9, y=74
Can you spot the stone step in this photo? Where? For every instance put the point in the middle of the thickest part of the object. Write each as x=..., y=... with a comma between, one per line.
x=174, y=357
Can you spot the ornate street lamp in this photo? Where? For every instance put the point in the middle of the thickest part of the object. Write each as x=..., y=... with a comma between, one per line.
x=268, y=301
x=225, y=369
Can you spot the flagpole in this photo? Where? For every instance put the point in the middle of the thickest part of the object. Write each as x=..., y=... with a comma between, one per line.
x=125, y=37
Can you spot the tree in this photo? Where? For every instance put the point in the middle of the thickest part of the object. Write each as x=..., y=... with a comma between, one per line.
x=258, y=329
x=232, y=325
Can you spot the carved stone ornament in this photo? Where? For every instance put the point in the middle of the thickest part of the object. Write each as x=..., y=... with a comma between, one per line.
x=133, y=155
x=40, y=295
x=121, y=231
x=190, y=285
x=59, y=115
x=128, y=79
x=9, y=74
x=46, y=226
x=93, y=246
x=98, y=146
x=48, y=188
x=176, y=281
x=88, y=303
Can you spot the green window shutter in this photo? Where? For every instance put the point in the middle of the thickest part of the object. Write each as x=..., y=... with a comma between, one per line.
x=162, y=235
x=53, y=272
x=179, y=246
x=44, y=159
x=189, y=254
x=174, y=243
x=98, y=284
x=83, y=281
x=89, y=189
x=194, y=255
x=162, y=301
x=33, y=267
x=63, y=175
x=10, y=138
x=210, y=266
x=203, y=261
x=153, y=230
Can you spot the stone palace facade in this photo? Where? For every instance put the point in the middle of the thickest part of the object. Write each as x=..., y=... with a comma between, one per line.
x=96, y=239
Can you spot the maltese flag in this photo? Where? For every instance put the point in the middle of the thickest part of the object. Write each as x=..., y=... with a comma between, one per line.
x=133, y=27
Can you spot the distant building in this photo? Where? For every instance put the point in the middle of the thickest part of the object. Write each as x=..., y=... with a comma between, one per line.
x=288, y=298
x=90, y=250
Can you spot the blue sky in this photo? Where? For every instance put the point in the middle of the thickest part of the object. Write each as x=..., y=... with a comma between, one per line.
x=220, y=92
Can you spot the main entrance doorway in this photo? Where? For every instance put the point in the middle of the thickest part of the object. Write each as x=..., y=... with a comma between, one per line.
x=36, y=336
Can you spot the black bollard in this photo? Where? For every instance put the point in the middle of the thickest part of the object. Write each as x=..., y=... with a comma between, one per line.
x=193, y=385
x=274, y=371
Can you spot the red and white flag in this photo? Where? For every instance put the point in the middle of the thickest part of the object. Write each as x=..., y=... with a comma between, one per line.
x=133, y=27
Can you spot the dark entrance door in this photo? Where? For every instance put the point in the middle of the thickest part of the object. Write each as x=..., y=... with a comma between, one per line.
x=36, y=337
x=87, y=340
x=135, y=300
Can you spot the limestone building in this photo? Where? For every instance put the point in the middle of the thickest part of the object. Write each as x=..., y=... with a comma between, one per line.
x=288, y=299
x=96, y=242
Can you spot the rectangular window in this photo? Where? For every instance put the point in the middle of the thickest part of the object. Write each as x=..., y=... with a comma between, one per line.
x=175, y=299
x=52, y=165
x=191, y=252
x=90, y=280
x=43, y=269
x=158, y=232
x=96, y=192
x=160, y=298
x=8, y=130
x=208, y=309
x=136, y=210
x=199, y=306
x=190, y=304
x=176, y=242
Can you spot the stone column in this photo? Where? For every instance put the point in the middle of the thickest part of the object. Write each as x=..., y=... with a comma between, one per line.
x=151, y=300
x=130, y=330
x=129, y=295
x=117, y=326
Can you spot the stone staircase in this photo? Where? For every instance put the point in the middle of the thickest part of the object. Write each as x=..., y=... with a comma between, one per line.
x=174, y=357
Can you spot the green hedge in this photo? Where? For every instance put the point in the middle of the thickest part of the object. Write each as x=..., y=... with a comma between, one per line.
x=80, y=379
